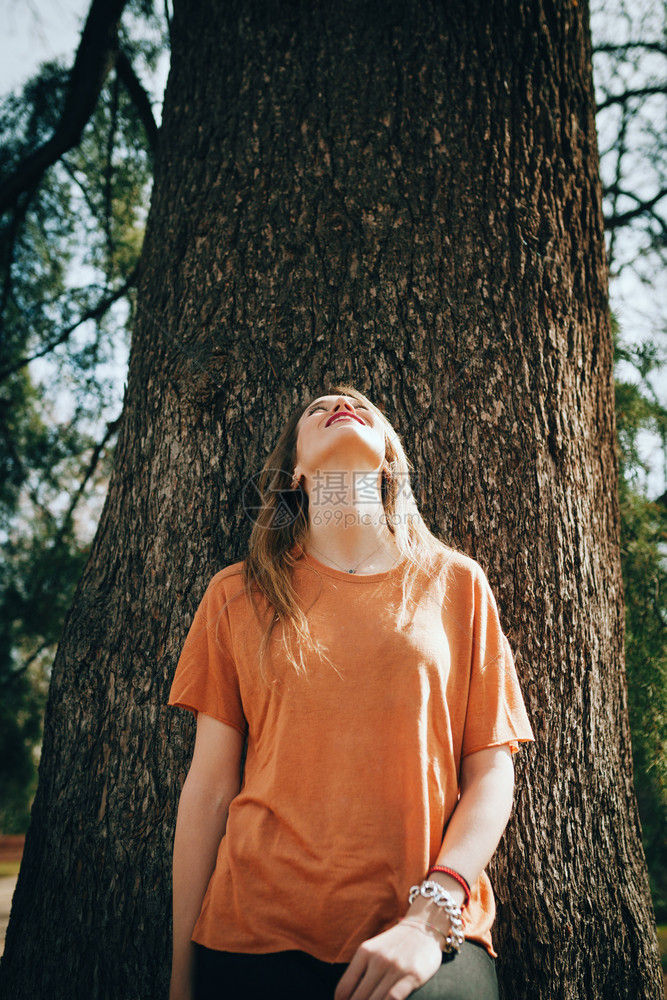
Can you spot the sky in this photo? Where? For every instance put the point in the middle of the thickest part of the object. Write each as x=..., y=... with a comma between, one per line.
x=35, y=31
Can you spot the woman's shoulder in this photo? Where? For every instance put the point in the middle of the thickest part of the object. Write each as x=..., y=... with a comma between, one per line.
x=228, y=580
x=229, y=571
x=455, y=561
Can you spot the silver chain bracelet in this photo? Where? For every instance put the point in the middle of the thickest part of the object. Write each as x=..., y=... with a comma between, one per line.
x=435, y=893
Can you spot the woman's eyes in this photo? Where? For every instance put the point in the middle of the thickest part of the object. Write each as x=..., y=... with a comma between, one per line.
x=321, y=406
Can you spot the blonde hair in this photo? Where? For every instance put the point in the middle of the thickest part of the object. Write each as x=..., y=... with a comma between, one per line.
x=282, y=524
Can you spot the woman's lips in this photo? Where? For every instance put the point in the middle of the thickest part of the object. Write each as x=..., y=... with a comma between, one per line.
x=340, y=416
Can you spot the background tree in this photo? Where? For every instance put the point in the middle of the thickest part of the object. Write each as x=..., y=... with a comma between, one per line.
x=643, y=537
x=631, y=85
x=630, y=61
x=69, y=247
x=368, y=183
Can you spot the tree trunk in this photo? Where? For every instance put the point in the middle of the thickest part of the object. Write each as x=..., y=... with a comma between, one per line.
x=406, y=195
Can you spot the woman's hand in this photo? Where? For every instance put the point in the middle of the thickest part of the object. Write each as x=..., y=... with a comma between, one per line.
x=391, y=965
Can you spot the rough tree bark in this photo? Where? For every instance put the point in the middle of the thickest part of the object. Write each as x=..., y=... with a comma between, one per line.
x=404, y=194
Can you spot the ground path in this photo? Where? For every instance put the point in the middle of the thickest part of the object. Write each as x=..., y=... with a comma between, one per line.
x=7, y=886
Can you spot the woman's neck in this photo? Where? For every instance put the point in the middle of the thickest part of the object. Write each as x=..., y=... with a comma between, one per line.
x=350, y=532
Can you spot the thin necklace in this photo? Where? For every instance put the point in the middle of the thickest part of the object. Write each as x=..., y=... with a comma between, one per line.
x=358, y=564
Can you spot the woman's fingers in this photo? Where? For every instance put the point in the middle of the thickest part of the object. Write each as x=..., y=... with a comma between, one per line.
x=373, y=984
x=392, y=988
x=390, y=966
x=383, y=982
x=352, y=975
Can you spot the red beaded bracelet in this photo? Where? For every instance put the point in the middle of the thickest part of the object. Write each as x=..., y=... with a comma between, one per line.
x=455, y=875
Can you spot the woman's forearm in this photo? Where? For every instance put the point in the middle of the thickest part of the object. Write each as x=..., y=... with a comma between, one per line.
x=479, y=820
x=200, y=825
x=402, y=955
x=477, y=824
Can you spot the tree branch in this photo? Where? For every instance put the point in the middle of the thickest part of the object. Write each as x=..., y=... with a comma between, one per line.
x=13, y=675
x=643, y=208
x=108, y=177
x=7, y=433
x=111, y=429
x=70, y=171
x=94, y=58
x=615, y=49
x=167, y=17
x=620, y=152
x=628, y=94
x=139, y=98
x=96, y=312
x=20, y=210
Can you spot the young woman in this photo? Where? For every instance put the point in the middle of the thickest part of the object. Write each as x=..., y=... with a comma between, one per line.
x=363, y=663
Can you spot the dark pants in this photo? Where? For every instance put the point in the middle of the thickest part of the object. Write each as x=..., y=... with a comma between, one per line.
x=223, y=975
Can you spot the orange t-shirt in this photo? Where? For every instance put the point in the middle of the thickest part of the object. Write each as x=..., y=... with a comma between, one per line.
x=351, y=773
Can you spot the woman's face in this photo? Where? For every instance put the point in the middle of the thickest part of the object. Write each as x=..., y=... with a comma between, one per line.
x=339, y=433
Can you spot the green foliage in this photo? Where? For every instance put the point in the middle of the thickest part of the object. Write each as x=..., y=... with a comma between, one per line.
x=67, y=253
x=643, y=556
x=37, y=580
x=662, y=943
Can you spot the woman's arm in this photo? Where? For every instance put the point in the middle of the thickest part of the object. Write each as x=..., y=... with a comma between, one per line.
x=480, y=817
x=405, y=957
x=212, y=782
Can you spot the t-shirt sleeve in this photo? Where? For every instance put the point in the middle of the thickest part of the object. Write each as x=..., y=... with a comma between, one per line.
x=496, y=713
x=206, y=678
